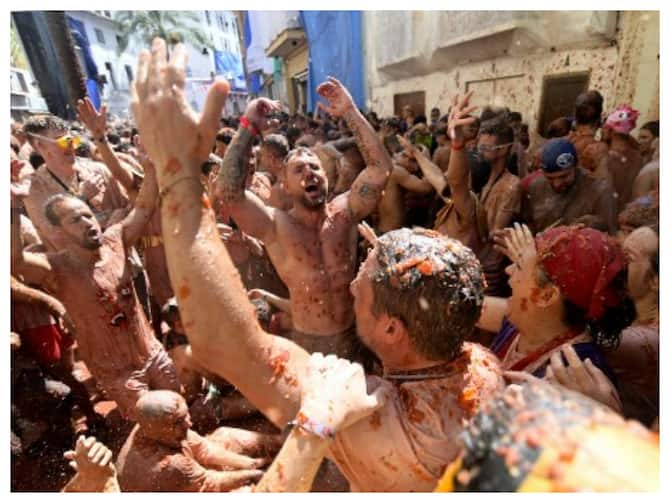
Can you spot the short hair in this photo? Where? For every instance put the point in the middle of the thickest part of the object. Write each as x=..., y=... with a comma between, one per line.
x=225, y=135
x=50, y=207
x=420, y=119
x=514, y=117
x=589, y=107
x=158, y=404
x=113, y=138
x=297, y=151
x=433, y=284
x=277, y=145
x=41, y=123
x=558, y=128
x=35, y=159
x=498, y=127
x=652, y=127
x=84, y=149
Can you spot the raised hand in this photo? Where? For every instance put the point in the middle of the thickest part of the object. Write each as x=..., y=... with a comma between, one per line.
x=339, y=99
x=581, y=376
x=173, y=135
x=257, y=112
x=407, y=146
x=516, y=243
x=95, y=122
x=91, y=459
x=334, y=395
x=460, y=108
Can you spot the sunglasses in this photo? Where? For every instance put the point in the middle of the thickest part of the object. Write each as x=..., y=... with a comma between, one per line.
x=64, y=142
x=492, y=148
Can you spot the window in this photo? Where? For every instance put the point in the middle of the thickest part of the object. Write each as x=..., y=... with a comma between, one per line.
x=209, y=21
x=108, y=13
x=99, y=36
x=112, y=78
x=129, y=74
x=558, y=97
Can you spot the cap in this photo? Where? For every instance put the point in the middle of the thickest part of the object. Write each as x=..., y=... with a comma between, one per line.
x=623, y=119
x=558, y=154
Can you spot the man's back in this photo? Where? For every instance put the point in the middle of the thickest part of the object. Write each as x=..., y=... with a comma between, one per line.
x=414, y=436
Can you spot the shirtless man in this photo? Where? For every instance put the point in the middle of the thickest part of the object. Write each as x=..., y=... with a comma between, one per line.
x=441, y=154
x=92, y=278
x=163, y=453
x=313, y=246
x=438, y=380
x=63, y=173
x=588, y=112
x=391, y=208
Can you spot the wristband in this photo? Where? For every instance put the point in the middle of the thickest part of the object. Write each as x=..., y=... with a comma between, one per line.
x=244, y=123
x=310, y=426
x=457, y=147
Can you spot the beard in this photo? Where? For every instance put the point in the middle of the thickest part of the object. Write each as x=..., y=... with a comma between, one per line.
x=92, y=242
x=314, y=202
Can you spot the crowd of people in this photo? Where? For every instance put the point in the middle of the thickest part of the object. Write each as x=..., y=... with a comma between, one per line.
x=334, y=302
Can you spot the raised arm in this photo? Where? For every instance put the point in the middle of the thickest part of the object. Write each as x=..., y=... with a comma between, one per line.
x=458, y=173
x=219, y=320
x=410, y=182
x=96, y=123
x=145, y=205
x=252, y=215
x=366, y=191
x=34, y=267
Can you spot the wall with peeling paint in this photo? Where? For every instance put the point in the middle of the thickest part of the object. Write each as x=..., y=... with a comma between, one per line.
x=508, y=57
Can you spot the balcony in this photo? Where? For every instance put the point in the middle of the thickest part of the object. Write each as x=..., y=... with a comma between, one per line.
x=286, y=42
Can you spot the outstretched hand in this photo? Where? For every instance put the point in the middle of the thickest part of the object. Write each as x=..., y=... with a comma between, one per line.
x=334, y=393
x=460, y=109
x=339, y=99
x=257, y=112
x=173, y=135
x=407, y=146
x=95, y=122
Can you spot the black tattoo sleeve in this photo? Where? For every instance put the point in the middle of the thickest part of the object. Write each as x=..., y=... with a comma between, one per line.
x=234, y=169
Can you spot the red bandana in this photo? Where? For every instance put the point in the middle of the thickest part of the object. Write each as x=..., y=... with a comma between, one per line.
x=583, y=263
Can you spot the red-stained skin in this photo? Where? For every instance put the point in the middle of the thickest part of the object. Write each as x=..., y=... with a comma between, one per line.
x=184, y=291
x=524, y=304
x=173, y=209
x=205, y=202
x=173, y=167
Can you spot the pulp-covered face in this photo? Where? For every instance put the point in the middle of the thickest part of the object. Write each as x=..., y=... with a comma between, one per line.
x=306, y=181
x=51, y=151
x=561, y=181
x=638, y=248
x=180, y=422
x=523, y=282
x=645, y=138
x=79, y=224
x=361, y=290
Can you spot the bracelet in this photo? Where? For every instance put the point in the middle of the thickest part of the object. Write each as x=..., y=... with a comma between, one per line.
x=165, y=190
x=310, y=426
x=457, y=147
x=244, y=123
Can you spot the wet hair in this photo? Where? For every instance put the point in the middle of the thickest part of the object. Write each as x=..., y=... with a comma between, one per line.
x=50, y=207
x=514, y=117
x=433, y=284
x=393, y=123
x=170, y=311
x=276, y=144
x=420, y=119
x=158, y=404
x=490, y=112
x=606, y=330
x=122, y=147
x=499, y=128
x=652, y=127
x=36, y=160
x=589, y=107
x=39, y=124
x=558, y=128
x=292, y=134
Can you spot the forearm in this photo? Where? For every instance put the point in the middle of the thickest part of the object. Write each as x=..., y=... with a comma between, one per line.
x=218, y=318
x=458, y=175
x=371, y=147
x=24, y=293
x=235, y=168
x=79, y=484
x=16, y=239
x=123, y=176
x=294, y=468
x=432, y=173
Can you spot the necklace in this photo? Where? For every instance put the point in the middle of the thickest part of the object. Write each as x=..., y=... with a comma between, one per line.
x=544, y=349
x=60, y=182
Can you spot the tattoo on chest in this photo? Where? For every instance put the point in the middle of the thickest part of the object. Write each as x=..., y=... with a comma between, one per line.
x=367, y=191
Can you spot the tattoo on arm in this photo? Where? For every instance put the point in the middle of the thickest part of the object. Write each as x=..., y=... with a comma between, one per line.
x=367, y=191
x=234, y=170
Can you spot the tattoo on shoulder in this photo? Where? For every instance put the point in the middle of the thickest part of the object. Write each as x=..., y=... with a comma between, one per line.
x=367, y=191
